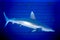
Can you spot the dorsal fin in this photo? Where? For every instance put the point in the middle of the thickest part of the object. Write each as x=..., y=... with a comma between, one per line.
x=32, y=16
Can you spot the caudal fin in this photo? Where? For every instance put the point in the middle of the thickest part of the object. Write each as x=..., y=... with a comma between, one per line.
x=7, y=20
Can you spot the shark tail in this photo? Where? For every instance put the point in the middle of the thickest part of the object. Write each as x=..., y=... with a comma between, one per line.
x=6, y=19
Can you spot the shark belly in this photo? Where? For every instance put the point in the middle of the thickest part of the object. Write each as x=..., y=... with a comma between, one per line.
x=26, y=24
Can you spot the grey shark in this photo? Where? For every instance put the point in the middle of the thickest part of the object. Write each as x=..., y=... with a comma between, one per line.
x=26, y=23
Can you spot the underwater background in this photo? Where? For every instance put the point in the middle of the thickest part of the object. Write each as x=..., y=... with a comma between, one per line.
x=47, y=12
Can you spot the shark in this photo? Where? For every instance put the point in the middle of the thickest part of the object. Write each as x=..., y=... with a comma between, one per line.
x=26, y=23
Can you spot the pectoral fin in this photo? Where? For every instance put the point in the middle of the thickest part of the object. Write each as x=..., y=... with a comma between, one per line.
x=34, y=30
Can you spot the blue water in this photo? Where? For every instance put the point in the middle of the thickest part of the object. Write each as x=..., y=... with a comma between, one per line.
x=46, y=12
